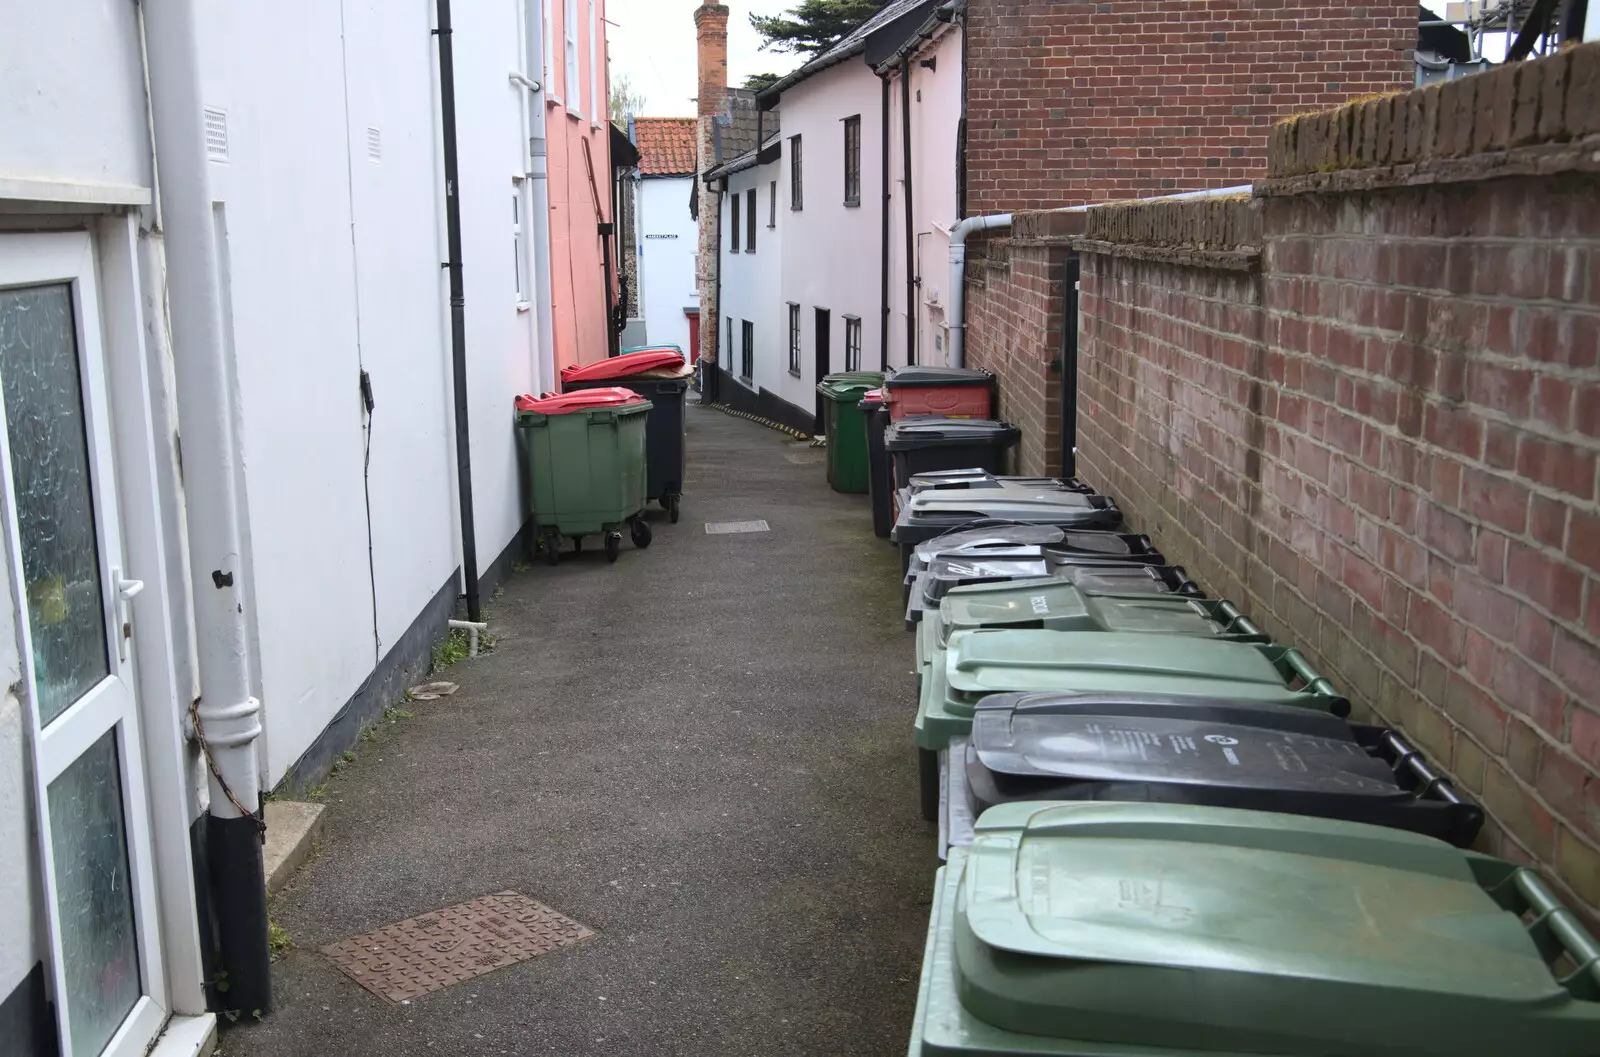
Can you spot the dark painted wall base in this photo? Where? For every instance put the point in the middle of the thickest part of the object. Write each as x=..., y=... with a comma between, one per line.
x=28, y=1018
x=765, y=403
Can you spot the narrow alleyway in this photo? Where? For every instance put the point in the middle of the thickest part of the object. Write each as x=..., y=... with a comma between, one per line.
x=701, y=753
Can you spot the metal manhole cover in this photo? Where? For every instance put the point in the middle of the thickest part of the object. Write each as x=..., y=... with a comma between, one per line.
x=718, y=528
x=422, y=954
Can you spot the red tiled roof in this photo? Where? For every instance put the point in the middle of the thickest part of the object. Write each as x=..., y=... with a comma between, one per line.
x=666, y=145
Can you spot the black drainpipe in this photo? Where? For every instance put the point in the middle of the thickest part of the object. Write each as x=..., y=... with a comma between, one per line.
x=613, y=346
x=883, y=329
x=458, y=308
x=715, y=380
x=911, y=238
x=1069, y=367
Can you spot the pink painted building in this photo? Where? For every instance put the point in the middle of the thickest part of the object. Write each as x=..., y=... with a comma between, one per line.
x=581, y=267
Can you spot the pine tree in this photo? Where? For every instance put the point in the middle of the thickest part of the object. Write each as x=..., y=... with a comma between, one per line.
x=812, y=26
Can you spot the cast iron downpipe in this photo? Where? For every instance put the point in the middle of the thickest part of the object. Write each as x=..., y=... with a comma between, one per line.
x=458, y=308
x=713, y=379
x=226, y=718
x=883, y=329
x=958, y=280
x=911, y=238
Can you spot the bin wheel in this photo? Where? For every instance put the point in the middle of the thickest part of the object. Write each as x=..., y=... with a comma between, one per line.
x=928, y=783
x=577, y=544
x=640, y=530
x=552, y=548
x=672, y=508
x=613, y=545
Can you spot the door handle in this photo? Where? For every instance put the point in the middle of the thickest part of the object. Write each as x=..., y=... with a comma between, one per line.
x=127, y=590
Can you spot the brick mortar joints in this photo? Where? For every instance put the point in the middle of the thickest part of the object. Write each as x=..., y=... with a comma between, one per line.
x=1541, y=159
x=1238, y=260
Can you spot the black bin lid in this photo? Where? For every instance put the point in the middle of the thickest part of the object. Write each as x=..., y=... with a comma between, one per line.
x=937, y=377
x=933, y=431
x=1153, y=747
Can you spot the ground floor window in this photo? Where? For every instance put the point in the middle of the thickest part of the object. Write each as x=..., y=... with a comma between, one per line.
x=747, y=355
x=794, y=339
x=852, y=343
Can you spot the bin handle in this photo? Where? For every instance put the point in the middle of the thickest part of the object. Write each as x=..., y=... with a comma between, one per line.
x=602, y=418
x=1555, y=926
x=1316, y=682
x=1235, y=621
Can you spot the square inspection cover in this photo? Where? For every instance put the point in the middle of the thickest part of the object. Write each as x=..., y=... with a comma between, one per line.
x=720, y=528
x=413, y=957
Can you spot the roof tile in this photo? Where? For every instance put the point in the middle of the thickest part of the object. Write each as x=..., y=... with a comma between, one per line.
x=666, y=145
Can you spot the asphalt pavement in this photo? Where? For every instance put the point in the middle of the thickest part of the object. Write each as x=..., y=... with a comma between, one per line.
x=702, y=752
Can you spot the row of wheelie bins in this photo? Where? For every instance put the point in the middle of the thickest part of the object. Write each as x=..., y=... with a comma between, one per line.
x=1162, y=833
x=605, y=447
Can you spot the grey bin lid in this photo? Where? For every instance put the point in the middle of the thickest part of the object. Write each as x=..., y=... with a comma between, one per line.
x=976, y=477
x=1000, y=535
x=934, y=431
x=1089, y=574
x=1151, y=737
x=937, y=509
x=936, y=377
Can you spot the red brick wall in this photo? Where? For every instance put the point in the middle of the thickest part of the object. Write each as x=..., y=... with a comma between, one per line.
x=1014, y=323
x=1079, y=101
x=1382, y=437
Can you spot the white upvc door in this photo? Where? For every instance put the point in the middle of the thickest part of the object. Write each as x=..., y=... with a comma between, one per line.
x=71, y=594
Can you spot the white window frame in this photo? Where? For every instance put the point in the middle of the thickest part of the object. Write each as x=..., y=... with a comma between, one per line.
x=794, y=338
x=597, y=111
x=519, y=210
x=572, y=78
x=548, y=81
x=852, y=349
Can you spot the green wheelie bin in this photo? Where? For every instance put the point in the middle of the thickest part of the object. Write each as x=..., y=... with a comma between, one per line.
x=846, y=428
x=1106, y=929
x=975, y=664
x=586, y=463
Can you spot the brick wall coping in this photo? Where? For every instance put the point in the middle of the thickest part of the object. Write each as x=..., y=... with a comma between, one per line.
x=1221, y=232
x=1530, y=118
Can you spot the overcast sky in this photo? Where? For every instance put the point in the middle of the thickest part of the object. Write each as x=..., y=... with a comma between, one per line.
x=652, y=41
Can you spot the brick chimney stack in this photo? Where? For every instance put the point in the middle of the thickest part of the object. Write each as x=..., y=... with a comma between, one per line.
x=711, y=39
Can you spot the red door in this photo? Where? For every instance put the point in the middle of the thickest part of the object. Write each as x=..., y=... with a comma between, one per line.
x=693, y=315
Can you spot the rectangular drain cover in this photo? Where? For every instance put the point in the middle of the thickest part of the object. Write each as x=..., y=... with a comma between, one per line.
x=718, y=528
x=422, y=954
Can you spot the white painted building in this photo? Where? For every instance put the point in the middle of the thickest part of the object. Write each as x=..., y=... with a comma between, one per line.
x=283, y=582
x=819, y=305
x=667, y=233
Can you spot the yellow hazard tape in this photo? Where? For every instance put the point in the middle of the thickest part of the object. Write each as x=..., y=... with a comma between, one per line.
x=769, y=423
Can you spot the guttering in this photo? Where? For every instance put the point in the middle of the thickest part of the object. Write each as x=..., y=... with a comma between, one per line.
x=539, y=198
x=958, y=257
x=458, y=308
x=225, y=717
x=941, y=17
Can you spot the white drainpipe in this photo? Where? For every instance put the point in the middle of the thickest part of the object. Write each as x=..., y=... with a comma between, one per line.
x=958, y=280
x=958, y=259
x=539, y=194
x=226, y=713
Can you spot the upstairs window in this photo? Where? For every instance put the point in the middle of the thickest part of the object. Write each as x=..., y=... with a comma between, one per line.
x=852, y=160
x=796, y=199
x=750, y=221
x=772, y=206
x=572, y=83
x=733, y=223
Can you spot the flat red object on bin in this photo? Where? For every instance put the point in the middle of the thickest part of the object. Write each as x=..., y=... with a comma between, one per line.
x=623, y=366
x=582, y=400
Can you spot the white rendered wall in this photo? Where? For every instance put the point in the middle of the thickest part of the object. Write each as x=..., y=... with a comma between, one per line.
x=750, y=284
x=666, y=264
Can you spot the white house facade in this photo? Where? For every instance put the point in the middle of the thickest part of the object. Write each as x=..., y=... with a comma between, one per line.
x=231, y=479
x=822, y=306
x=666, y=232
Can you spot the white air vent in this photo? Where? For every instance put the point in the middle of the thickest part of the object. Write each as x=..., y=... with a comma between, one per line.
x=374, y=144
x=216, y=134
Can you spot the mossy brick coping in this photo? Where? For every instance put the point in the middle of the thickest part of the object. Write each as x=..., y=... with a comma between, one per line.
x=1550, y=101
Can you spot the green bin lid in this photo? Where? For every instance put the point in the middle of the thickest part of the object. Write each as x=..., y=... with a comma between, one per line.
x=998, y=661
x=1144, y=929
x=849, y=386
x=1049, y=603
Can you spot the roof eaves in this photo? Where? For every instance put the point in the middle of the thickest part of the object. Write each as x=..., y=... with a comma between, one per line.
x=944, y=15
x=854, y=43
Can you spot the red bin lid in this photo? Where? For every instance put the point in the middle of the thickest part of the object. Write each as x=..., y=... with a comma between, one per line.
x=582, y=400
x=622, y=366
